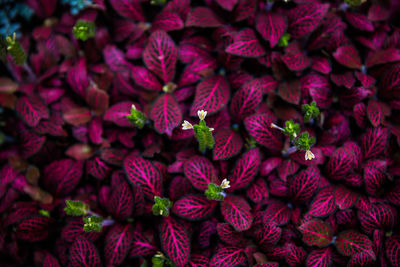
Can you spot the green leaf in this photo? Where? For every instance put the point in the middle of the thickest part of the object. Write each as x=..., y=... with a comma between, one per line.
x=75, y=208
x=44, y=213
x=355, y=2
x=214, y=192
x=292, y=129
x=204, y=136
x=92, y=223
x=15, y=49
x=284, y=41
x=304, y=141
x=310, y=111
x=84, y=29
x=137, y=117
x=161, y=206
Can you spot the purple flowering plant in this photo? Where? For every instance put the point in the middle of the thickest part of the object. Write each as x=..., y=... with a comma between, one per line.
x=187, y=133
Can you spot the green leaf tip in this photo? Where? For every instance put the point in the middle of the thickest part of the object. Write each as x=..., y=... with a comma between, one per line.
x=292, y=129
x=137, y=117
x=304, y=141
x=159, y=260
x=15, y=49
x=92, y=223
x=284, y=41
x=161, y=206
x=75, y=208
x=311, y=111
x=355, y=2
x=214, y=192
x=202, y=132
x=84, y=30
x=44, y=213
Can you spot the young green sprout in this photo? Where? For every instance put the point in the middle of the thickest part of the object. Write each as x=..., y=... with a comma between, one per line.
x=292, y=129
x=92, y=223
x=311, y=111
x=84, y=30
x=355, y=2
x=216, y=192
x=75, y=208
x=284, y=41
x=161, y=206
x=15, y=49
x=136, y=117
x=202, y=131
x=304, y=142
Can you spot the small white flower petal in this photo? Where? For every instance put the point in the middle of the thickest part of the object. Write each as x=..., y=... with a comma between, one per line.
x=309, y=155
x=211, y=129
x=202, y=114
x=225, y=184
x=133, y=107
x=186, y=125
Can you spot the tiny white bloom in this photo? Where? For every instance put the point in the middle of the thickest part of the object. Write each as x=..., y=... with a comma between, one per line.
x=225, y=184
x=186, y=125
x=211, y=129
x=133, y=107
x=202, y=114
x=161, y=212
x=309, y=155
x=273, y=125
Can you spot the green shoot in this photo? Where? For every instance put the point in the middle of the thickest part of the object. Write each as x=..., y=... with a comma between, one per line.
x=161, y=206
x=304, y=141
x=203, y=133
x=292, y=129
x=15, y=49
x=310, y=111
x=284, y=41
x=76, y=208
x=84, y=30
x=137, y=117
x=92, y=223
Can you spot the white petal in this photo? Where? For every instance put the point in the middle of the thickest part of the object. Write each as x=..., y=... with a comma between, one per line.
x=211, y=129
x=202, y=114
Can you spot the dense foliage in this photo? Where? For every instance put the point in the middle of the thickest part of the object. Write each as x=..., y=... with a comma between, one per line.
x=200, y=133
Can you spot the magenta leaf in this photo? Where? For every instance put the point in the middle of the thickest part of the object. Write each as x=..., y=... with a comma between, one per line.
x=212, y=95
x=227, y=4
x=257, y=191
x=349, y=243
x=382, y=57
x=118, y=244
x=74, y=228
x=295, y=255
x=259, y=127
x=62, y=176
x=227, y=234
x=390, y=82
x=360, y=115
x=320, y=257
x=121, y=201
x=316, y=233
x=195, y=207
x=200, y=172
x=31, y=143
x=319, y=89
x=305, y=18
x=373, y=179
x=374, y=142
x=143, y=172
x=375, y=113
x=246, y=100
x=323, y=203
x=359, y=21
x=303, y=186
x=228, y=256
x=50, y=261
x=198, y=261
x=346, y=79
x=130, y=9
x=294, y=58
x=145, y=78
x=167, y=21
x=345, y=198
x=166, y=114
x=34, y=229
x=269, y=235
x=113, y=156
x=237, y=212
x=118, y=112
x=340, y=163
x=245, y=9
x=77, y=77
x=277, y=213
x=246, y=169
x=393, y=250
x=160, y=55
x=84, y=253
x=141, y=247
x=271, y=26
x=228, y=143
x=97, y=99
x=290, y=91
x=360, y=259
x=203, y=17
x=115, y=59
x=378, y=216
x=175, y=241
x=348, y=56
x=246, y=44
x=77, y=116
x=31, y=110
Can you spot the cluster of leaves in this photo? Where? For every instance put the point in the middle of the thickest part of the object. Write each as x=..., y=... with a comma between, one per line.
x=10, y=12
x=100, y=122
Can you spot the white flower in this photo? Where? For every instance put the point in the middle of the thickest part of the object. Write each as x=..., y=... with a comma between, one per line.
x=225, y=184
x=273, y=125
x=309, y=155
x=186, y=125
x=211, y=129
x=133, y=107
x=202, y=114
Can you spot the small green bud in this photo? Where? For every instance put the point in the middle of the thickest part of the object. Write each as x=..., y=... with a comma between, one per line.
x=355, y=2
x=310, y=111
x=44, y=213
x=158, y=2
x=304, y=141
x=84, y=29
x=161, y=206
x=250, y=143
x=76, y=208
x=284, y=41
x=214, y=192
x=137, y=117
x=292, y=129
x=92, y=223
x=15, y=49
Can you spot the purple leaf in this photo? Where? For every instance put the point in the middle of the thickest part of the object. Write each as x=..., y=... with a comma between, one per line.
x=143, y=172
x=375, y=113
x=118, y=112
x=268, y=236
x=227, y=4
x=323, y=203
x=295, y=255
x=212, y=95
x=77, y=77
x=346, y=79
x=345, y=198
x=294, y=58
x=390, y=82
x=246, y=100
x=303, y=186
x=34, y=229
x=257, y=191
x=228, y=256
x=203, y=17
x=167, y=21
x=227, y=234
x=198, y=261
x=360, y=259
x=31, y=110
x=245, y=170
x=277, y=213
x=320, y=257
x=200, y=172
x=118, y=244
x=98, y=100
x=166, y=114
x=62, y=176
x=359, y=21
x=305, y=18
x=245, y=9
x=84, y=253
x=113, y=156
x=160, y=55
x=340, y=163
x=319, y=89
x=290, y=91
x=31, y=143
x=50, y=261
x=228, y=143
x=393, y=250
x=146, y=79
x=141, y=247
x=175, y=241
x=271, y=26
x=77, y=116
x=246, y=44
x=349, y=243
x=348, y=56
x=74, y=228
x=195, y=207
x=382, y=57
x=374, y=142
x=321, y=64
x=121, y=201
x=316, y=233
x=115, y=60
x=360, y=115
x=259, y=127
x=236, y=211
x=130, y=9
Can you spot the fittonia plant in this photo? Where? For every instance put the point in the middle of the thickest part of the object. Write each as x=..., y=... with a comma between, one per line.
x=202, y=132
